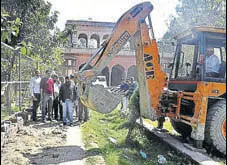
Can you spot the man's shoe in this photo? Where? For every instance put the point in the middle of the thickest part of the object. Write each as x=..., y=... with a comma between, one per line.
x=49, y=119
x=71, y=124
x=44, y=121
x=64, y=123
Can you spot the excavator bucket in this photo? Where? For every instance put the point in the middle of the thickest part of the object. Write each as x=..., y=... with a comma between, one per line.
x=101, y=100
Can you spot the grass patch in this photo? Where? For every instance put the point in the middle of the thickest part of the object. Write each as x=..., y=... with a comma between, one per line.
x=5, y=112
x=101, y=127
x=167, y=124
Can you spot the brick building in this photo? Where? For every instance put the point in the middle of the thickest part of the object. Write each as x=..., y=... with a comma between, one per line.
x=86, y=38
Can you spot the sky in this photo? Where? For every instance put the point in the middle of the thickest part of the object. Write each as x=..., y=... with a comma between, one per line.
x=111, y=10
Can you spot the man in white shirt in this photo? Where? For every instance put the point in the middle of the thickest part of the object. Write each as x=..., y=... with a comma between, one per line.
x=212, y=63
x=56, y=96
x=35, y=93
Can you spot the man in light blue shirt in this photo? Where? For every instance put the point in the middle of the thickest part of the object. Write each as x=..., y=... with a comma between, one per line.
x=35, y=93
x=212, y=63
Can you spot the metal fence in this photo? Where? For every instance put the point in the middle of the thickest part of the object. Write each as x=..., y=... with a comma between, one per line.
x=15, y=96
x=16, y=71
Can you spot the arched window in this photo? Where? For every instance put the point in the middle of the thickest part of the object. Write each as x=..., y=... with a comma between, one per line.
x=94, y=41
x=83, y=40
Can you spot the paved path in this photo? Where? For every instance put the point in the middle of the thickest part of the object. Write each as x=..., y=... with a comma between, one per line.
x=74, y=140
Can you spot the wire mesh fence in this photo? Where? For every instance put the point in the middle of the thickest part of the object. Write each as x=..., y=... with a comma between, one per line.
x=16, y=72
x=15, y=96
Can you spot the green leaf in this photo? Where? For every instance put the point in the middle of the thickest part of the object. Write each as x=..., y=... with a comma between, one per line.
x=4, y=36
x=23, y=43
x=30, y=44
x=23, y=50
x=18, y=20
x=28, y=52
x=4, y=15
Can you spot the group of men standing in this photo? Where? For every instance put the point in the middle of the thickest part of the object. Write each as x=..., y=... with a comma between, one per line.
x=58, y=97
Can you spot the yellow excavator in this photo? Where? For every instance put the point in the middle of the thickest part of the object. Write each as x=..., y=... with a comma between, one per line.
x=194, y=101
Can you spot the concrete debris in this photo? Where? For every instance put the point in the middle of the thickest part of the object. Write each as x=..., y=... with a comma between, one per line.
x=56, y=131
x=20, y=122
x=161, y=159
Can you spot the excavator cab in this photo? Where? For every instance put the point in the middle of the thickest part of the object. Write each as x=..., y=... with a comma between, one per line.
x=196, y=97
x=189, y=64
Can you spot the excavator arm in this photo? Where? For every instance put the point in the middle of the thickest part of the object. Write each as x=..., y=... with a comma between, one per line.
x=124, y=29
x=151, y=79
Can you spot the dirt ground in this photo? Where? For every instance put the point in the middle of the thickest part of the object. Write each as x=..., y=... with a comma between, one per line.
x=49, y=143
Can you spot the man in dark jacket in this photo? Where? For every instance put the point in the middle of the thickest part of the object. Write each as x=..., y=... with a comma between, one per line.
x=67, y=95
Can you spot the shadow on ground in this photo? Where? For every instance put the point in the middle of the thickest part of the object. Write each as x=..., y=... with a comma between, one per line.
x=52, y=124
x=55, y=155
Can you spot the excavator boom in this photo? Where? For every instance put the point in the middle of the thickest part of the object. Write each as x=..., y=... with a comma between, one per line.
x=131, y=25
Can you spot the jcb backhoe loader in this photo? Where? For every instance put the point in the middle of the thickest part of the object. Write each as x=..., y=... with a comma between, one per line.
x=194, y=101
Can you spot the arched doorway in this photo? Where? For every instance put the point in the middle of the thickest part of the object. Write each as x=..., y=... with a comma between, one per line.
x=132, y=72
x=105, y=72
x=117, y=75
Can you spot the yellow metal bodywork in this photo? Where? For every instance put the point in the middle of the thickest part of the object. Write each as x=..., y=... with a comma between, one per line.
x=151, y=78
x=200, y=97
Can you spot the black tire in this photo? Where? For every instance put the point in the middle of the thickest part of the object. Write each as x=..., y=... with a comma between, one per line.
x=216, y=116
x=182, y=128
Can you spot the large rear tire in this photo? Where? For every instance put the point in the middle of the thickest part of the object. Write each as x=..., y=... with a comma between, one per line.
x=215, y=131
x=182, y=128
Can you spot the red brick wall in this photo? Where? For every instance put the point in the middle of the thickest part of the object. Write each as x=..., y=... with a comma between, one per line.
x=124, y=61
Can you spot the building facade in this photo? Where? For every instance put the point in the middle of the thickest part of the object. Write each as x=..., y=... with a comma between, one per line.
x=86, y=39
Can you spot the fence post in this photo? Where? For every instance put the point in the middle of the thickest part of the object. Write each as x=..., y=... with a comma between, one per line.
x=19, y=83
x=8, y=98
